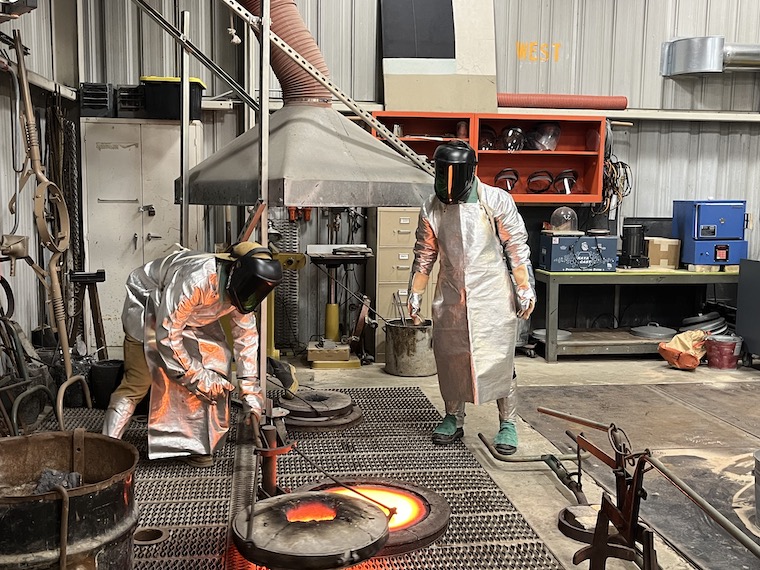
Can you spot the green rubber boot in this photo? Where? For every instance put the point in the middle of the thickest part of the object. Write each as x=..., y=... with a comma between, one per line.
x=506, y=440
x=447, y=431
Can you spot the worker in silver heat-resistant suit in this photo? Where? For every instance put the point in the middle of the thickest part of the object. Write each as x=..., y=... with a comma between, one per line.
x=470, y=227
x=175, y=346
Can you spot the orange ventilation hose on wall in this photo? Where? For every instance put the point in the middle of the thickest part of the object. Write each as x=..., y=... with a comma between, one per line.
x=553, y=101
x=297, y=84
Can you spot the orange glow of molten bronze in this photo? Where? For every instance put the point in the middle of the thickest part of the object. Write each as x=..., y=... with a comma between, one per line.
x=312, y=511
x=410, y=509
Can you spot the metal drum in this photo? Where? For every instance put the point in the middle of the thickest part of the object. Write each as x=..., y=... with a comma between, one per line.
x=90, y=526
x=409, y=348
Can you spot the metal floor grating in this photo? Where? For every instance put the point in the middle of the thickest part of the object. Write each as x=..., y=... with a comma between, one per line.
x=196, y=505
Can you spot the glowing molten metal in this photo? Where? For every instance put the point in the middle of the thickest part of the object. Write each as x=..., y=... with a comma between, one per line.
x=312, y=511
x=410, y=508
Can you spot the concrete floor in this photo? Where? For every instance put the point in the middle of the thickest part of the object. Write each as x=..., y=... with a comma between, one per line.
x=532, y=487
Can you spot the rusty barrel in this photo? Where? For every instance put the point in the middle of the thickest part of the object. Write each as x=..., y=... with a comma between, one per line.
x=102, y=514
x=409, y=348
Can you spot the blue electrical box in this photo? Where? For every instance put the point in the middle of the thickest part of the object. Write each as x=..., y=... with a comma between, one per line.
x=711, y=231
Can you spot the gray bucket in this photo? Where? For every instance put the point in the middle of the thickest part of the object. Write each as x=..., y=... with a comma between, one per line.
x=409, y=349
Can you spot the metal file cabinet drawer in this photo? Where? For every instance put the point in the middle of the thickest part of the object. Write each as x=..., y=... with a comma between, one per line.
x=397, y=228
x=394, y=264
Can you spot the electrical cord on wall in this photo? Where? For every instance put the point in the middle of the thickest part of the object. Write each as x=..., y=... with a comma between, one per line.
x=617, y=183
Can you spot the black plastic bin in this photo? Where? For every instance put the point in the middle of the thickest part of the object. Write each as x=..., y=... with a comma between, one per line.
x=163, y=97
x=130, y=101
x=96, y=100
x=105, y=376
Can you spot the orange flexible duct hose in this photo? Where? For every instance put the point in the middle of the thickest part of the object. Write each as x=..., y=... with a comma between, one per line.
x=556, y=101
x=297, y=84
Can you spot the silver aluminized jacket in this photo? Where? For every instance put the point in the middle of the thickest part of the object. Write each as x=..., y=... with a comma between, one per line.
x=474, y=317
x=173, y=306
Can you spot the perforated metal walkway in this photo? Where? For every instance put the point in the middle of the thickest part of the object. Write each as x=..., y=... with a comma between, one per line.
x=393, y=442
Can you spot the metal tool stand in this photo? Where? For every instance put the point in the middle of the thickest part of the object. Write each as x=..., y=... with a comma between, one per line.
x=89, y=282
x=631, y=539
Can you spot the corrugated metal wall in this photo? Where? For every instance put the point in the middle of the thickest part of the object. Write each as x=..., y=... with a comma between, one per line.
x=691, y=161
x=612, y=47
x=35, y=30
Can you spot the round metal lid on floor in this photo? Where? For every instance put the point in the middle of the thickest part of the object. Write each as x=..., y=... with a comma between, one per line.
x=562, y=334
x=654, y=331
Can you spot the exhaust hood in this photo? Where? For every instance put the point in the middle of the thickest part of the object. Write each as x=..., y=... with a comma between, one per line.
x=317, y=157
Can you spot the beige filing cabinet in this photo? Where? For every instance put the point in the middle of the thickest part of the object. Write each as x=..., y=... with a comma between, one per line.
x=391, y=235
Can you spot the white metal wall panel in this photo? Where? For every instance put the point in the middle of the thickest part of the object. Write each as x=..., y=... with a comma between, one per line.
x=692, y=161
x=121, y=42
x=364, y=52
x=35, y=28
x=92, y=54
x=612, y=47
x=157, y=52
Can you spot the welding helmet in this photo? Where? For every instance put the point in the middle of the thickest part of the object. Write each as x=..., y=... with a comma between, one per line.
x=252, y=275
x=544, y=136
x=454, y=171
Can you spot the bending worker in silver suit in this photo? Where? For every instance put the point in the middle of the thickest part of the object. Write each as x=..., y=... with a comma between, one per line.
x=175, y=346
x=470, y=227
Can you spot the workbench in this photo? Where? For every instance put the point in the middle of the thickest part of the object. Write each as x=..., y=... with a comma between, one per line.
x=606, y=341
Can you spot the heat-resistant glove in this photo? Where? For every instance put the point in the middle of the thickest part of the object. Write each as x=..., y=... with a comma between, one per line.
x=253, y=396
x=526, y=296
x=417, y=285
x=210, y=385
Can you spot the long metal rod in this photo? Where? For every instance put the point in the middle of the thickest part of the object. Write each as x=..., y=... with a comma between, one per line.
x=367, y=117
x=575, y=419
x=184, y=127
x=716, y=516
x=197, y=53
x=263, y=120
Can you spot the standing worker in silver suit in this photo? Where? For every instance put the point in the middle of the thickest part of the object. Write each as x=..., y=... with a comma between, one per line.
x=175, y=346
x=470, y=227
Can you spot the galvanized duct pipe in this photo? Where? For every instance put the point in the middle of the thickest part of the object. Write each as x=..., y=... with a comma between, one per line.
x=739, y=57
x=297, y=84
x=558, y=101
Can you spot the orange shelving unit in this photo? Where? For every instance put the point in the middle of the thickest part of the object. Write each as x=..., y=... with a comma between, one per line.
x=580, y=149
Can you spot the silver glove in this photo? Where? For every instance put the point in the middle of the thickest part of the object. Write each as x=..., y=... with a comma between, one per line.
x=414, y=303
x=526, y=297
x=210, y=384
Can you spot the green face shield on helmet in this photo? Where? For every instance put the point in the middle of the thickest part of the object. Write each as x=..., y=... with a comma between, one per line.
x=454, y=171
x=252, y=276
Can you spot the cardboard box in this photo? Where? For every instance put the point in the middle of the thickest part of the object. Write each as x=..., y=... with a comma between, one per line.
x=663, y=252
x=577, y=253
x=331, y=351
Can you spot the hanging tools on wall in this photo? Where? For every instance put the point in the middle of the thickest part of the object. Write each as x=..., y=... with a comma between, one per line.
x=51, y=219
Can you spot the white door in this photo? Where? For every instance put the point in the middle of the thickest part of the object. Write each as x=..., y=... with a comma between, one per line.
x=129, y=168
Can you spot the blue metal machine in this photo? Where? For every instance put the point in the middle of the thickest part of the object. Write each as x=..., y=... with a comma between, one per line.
x=711, y=231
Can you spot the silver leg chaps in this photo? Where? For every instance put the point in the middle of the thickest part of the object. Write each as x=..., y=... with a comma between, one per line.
x=117, y=417
x=456, y=408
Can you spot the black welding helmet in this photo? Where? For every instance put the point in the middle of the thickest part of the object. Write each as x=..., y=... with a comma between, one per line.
x=252, y=275
x=454, y=171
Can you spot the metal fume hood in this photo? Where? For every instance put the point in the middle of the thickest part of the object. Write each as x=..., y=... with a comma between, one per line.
x=709, y=54
x=317, y=157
